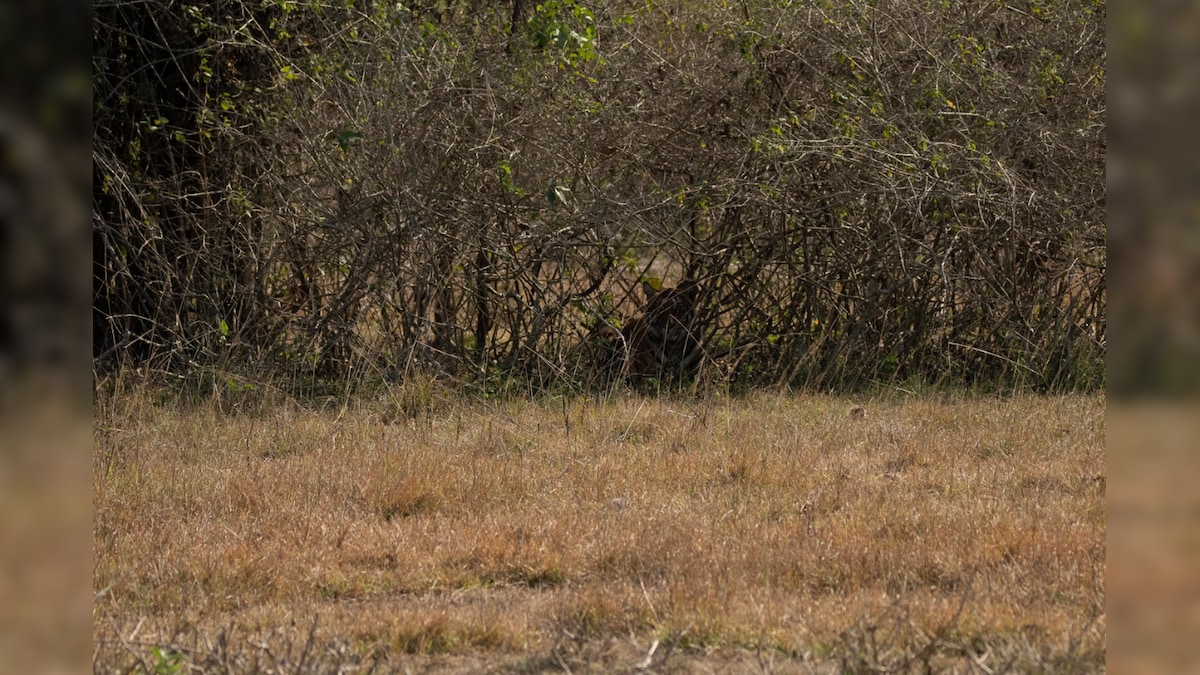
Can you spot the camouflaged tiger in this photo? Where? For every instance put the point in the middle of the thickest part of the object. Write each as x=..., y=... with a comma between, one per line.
x=661, y=343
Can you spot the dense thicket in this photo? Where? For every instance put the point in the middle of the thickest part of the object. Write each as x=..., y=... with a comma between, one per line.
x=866, y=190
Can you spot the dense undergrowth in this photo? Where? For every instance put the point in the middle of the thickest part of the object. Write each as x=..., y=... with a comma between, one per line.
x=346, y=193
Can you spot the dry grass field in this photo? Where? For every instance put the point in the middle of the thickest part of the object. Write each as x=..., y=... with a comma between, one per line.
x=772, y=533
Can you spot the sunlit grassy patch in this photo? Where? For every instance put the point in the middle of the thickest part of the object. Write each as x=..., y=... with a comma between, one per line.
x=929, y=530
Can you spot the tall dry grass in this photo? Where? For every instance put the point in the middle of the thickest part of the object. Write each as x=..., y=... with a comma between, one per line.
x=770, y=532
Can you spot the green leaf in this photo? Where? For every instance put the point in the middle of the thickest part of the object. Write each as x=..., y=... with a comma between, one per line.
x=348, y=137
x=557, y=194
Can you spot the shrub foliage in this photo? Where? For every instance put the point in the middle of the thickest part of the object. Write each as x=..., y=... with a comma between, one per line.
x=865, y=191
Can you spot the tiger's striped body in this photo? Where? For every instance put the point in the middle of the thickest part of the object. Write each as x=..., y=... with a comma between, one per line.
x=661, y=343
